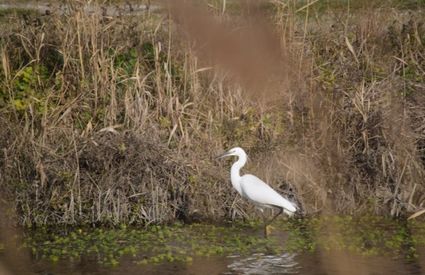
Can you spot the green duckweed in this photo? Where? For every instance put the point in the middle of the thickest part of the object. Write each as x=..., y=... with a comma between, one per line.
x=180, y=243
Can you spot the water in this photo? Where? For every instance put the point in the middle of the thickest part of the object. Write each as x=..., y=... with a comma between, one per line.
x=329, y=245
x=286, y=263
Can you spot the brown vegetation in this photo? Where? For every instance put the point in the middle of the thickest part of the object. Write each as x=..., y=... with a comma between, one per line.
x=113, y=120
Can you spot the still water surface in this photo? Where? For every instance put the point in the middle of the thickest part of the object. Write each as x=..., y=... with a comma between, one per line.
x=316, y=246
x=286, y=263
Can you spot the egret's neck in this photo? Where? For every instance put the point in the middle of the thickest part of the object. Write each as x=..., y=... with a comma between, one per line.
x=235, y=173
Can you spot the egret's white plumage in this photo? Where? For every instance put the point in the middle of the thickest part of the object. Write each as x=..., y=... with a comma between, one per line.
x=263, y=195
x=253, y=188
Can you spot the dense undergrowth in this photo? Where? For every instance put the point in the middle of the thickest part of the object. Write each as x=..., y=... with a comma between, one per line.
x=111, y=120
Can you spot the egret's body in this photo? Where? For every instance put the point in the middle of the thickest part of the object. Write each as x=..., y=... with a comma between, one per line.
x=263, y=195
x=254, y=189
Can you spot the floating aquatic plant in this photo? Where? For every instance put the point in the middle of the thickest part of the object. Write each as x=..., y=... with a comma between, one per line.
x=369, y=235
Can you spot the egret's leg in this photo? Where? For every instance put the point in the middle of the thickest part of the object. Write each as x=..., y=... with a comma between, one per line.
x=275, y=216
x=267, y=226
x=264, y=222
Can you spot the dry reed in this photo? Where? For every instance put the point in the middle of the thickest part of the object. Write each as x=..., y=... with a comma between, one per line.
x=117, y=119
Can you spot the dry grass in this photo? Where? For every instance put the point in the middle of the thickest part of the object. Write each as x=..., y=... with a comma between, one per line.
x=112, y=120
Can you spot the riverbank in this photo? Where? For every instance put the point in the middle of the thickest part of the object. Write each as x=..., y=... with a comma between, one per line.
x=111, y=9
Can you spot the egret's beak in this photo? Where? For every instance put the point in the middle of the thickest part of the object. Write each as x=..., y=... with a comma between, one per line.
x=225, y=154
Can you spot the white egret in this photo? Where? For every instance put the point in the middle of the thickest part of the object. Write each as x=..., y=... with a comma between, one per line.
x=256, y=190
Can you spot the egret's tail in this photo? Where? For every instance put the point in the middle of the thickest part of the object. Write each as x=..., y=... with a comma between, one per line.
x=289, y=213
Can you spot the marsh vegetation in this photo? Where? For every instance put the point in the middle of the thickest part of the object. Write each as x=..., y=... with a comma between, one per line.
x=113, y=120
x=237, y=248
x=110, y=123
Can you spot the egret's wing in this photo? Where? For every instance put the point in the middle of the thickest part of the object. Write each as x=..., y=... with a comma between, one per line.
x=260, y=192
